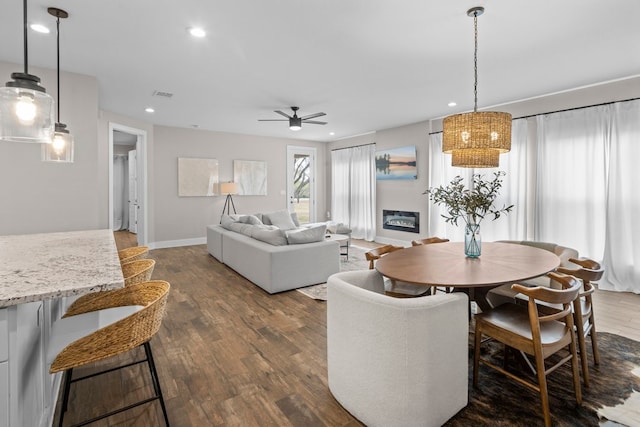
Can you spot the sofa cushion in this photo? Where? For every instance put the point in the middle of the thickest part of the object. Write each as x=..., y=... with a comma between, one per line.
x=241, y=228
x=281, y=219
x=250, y=219
x=268, y=234
x=306, y=235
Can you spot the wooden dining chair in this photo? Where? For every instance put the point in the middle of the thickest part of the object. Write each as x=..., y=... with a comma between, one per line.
x=428, y=241
x=539, y=335
x=589, y=271
x=394, y=289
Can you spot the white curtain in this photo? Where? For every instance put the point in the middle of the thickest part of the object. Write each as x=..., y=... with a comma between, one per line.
x=353, y=195
x=120, y=192
x=622, y=240
x=571, y=176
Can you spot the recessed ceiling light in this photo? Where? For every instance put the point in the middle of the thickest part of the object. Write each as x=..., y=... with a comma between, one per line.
x=197, y=32
x=149, y=110
x=332, y=133
x=452, y=104
x=40, y=28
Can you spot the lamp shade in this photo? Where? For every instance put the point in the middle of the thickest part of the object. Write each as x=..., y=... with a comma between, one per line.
x=475, y=158
x=228, y=188
x=61, y=148
x=26, y=111
x=477, y=130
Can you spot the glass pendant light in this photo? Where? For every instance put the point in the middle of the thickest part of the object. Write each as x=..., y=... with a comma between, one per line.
x=476, y=139
x=61, y=148
x=26, y=110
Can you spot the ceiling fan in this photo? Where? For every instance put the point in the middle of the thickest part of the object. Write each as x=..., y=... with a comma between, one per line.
x=295, y=122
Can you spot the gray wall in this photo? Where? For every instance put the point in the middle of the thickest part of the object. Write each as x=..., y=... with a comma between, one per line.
x=179, y=218
x=45, y=197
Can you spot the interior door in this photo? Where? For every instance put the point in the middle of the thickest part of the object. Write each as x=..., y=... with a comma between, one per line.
x=133, y=192
x=301, y=183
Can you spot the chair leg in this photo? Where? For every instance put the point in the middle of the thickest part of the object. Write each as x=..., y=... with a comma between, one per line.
x=576, y=372
x=155, y=380
x=594, y=344
x=476, y=354
x=583, y=353
x=542, y=383
x=65, y=394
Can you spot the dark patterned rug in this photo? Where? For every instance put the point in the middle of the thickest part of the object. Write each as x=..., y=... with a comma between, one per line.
x=614, y=391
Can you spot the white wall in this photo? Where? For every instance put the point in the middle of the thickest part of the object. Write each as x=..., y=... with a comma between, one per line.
x=178, y=218
x=407, y=195
x=44, y=197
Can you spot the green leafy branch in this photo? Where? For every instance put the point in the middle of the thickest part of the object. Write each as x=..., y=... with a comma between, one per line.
x=472, y=205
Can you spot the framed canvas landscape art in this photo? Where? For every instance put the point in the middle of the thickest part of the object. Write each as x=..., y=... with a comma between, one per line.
x=396, y=163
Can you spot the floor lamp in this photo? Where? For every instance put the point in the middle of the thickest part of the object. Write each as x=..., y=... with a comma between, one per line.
x=228, y=188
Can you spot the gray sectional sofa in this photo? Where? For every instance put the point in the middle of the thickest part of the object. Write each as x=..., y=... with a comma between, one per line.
x=276, y=259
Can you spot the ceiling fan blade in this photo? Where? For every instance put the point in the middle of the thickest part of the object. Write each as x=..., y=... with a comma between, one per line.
x=313, y=116
x=273, y=120
x=314, y=122
x=282, y=114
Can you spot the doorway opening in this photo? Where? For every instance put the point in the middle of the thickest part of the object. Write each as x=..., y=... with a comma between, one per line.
x=127, y=181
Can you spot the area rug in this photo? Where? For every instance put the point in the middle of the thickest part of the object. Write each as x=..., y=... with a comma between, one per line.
x=356, y=261
x=613, y=394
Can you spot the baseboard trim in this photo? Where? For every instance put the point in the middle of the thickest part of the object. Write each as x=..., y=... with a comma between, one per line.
x=178, y=243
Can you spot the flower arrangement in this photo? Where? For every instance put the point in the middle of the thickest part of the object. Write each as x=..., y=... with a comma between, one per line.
x=473, y=204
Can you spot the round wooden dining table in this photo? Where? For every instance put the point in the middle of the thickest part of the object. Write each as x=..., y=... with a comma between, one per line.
x=445, y=264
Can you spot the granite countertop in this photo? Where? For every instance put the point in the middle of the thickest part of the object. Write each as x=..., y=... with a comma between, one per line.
x=35, y=267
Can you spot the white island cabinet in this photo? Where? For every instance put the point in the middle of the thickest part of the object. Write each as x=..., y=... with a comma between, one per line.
x=37, y=272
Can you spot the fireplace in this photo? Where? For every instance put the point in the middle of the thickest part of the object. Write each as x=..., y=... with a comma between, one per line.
x=401, y=221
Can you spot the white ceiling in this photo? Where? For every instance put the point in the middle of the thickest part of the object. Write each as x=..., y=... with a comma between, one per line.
x=368, y=64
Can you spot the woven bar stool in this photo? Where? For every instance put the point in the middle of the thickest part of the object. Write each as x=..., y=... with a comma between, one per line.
x=134, y=272
x=116, y=322
x=133, y=254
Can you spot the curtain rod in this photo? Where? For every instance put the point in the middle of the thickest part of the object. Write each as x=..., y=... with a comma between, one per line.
x=353, y=146
x=562, y=111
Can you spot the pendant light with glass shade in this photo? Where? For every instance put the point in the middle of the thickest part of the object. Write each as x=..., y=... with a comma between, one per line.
x=61, y=148
x=476, y=140
x=26, y=110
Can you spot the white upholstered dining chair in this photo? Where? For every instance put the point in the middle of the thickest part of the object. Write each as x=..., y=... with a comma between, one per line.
x=395, y=361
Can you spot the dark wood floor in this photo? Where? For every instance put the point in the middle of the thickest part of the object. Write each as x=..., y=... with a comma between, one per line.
x=228, y=354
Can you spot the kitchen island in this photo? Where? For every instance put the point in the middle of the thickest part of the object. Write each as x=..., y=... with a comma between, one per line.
x=37, y=273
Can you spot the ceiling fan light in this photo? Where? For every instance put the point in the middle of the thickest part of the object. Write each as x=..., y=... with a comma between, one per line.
x=295, y=123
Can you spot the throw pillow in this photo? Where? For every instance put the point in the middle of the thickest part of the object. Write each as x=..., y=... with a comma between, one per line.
x=294, y=218
x=269, y=234
x=226, y=221
x=306, y=235
x=250, y=219
x=281, y=219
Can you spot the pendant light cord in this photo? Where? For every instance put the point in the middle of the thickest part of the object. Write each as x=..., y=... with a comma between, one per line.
x=26, y=48
x=475, y=62
x=58, y=61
